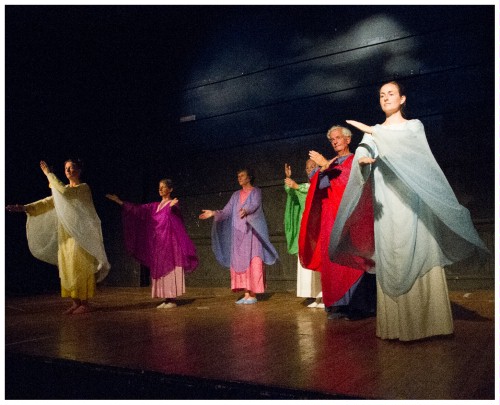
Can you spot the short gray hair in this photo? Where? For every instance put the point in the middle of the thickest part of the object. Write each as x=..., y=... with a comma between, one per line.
x=345, y=131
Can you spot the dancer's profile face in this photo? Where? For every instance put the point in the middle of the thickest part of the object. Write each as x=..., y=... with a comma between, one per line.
x=243, y=178
x=164, y=190
x=71, y=171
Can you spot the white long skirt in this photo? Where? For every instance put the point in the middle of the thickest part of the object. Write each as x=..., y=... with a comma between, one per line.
x=423, y=311
x=308, y=282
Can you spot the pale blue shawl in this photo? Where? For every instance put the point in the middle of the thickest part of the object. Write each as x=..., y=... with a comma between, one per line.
x=419, y=223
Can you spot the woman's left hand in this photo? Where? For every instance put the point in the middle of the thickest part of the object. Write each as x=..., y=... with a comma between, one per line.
x=173, y=202
x=291, y=183
x=45, y=167
x=366, y=161
x=243, y=213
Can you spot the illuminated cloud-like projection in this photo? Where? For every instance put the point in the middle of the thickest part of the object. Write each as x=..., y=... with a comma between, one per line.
x=234, y=58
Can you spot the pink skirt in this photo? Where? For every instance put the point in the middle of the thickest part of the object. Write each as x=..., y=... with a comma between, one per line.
x=253, y=279
x=169, y=286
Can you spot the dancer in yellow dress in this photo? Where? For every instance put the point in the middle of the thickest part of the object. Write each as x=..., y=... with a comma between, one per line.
x=64, y=230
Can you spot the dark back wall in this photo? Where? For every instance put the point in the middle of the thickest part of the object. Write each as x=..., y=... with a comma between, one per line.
x=196, y=92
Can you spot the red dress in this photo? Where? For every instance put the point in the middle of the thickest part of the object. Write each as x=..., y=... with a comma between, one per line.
x=316, y=226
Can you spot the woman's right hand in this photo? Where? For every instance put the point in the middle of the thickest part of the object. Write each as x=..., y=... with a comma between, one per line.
x=15, y=208
x=205, y=214
x=362, y=127
x=288, y=170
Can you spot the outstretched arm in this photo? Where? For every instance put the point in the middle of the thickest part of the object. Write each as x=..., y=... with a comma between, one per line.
x=205, y=214
x=362, y=127
x=57, y=184
x=15, y=208
x=45, y=167
x=115, y=198
x=367, y=130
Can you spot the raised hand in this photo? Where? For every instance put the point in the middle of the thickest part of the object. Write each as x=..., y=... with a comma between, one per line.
x=45, y=167
x=318, y=158
x=288, y=170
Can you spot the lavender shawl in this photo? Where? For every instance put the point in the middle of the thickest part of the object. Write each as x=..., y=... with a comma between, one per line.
x=158, y=240
x=235, y=240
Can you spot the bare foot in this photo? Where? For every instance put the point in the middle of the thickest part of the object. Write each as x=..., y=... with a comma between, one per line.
x=82, y=309
x=71, y=309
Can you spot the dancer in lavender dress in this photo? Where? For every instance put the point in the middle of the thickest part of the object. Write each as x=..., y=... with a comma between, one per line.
x=156, y=237
x=240, y=240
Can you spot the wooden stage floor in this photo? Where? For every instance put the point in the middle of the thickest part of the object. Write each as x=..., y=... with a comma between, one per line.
x=209, y=347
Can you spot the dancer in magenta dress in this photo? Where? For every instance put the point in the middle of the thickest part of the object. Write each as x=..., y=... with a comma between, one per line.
x=156, y=237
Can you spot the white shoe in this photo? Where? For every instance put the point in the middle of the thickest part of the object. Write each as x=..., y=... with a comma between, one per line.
x=313, y=305
x=162, y=305
x=170, y=305
x=320, y=305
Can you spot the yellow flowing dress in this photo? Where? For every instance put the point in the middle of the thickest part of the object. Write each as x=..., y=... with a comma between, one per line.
x=77, y=267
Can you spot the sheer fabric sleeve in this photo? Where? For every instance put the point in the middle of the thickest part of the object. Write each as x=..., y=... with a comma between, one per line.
x=41, y=230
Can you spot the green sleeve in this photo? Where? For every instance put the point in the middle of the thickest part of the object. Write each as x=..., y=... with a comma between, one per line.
x=293, y=214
